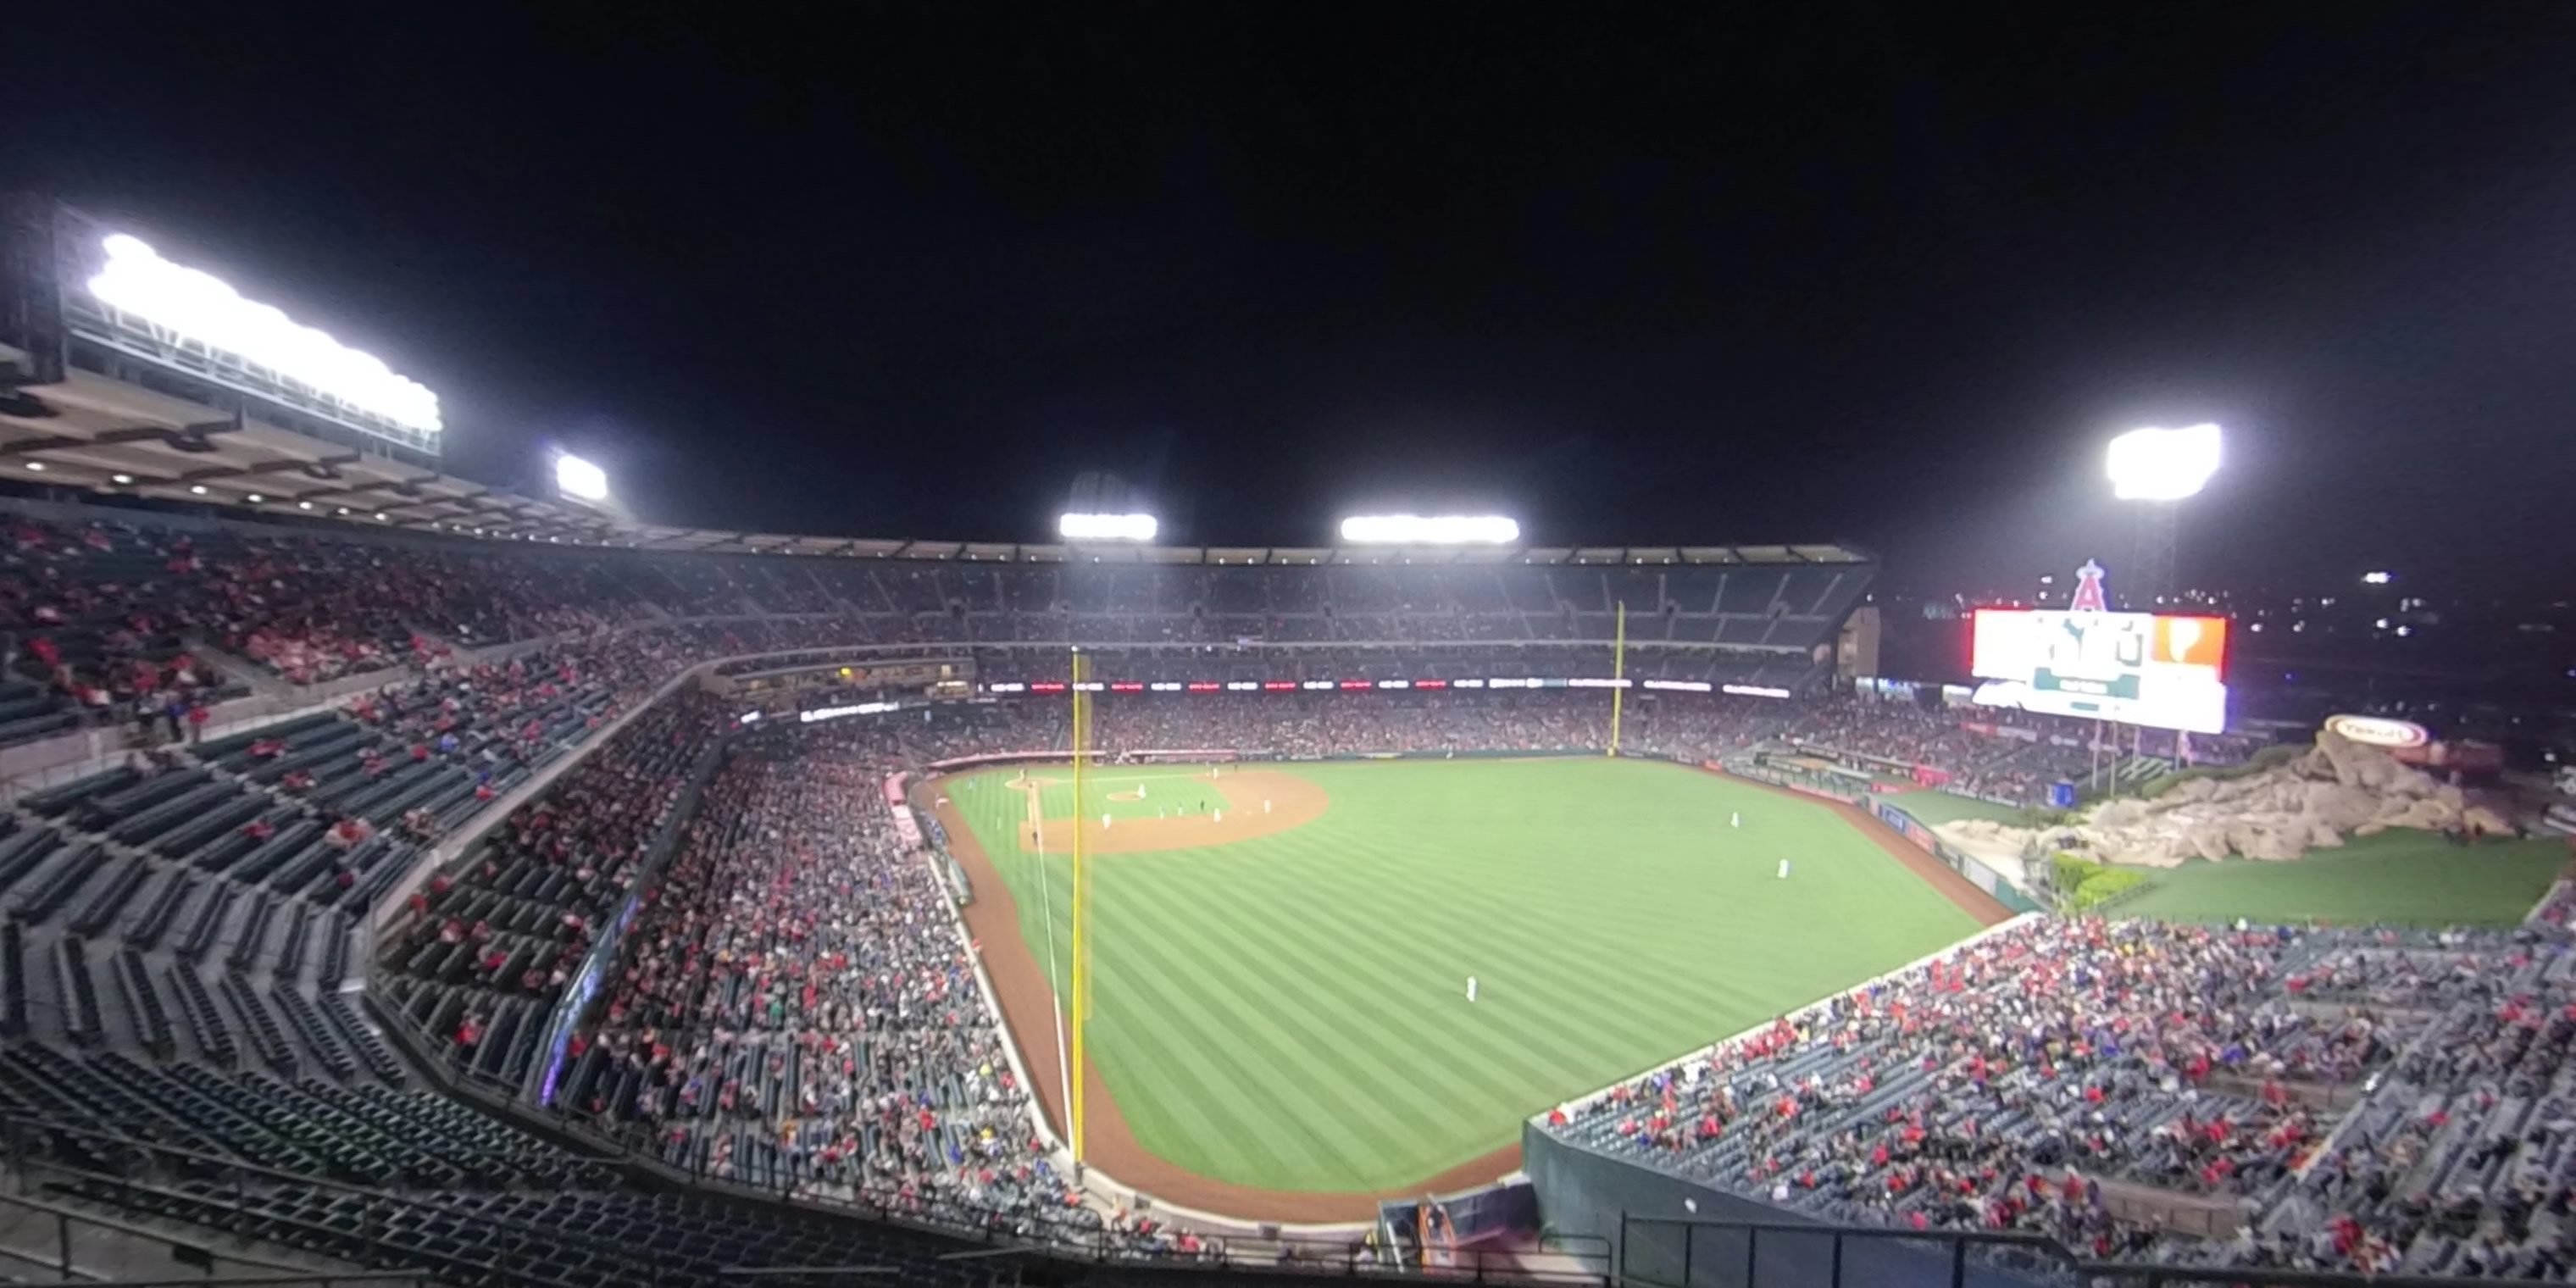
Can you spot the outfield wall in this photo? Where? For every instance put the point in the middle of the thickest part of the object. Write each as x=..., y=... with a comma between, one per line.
x=1979, y=873
x=1960, y=861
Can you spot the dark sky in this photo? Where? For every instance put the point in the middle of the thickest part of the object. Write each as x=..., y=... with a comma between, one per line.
x=1886, y=273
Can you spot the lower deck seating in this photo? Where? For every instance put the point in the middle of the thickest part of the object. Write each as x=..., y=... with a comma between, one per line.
x=378, y=1176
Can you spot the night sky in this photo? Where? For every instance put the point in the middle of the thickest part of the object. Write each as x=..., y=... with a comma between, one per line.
x=1882, y=273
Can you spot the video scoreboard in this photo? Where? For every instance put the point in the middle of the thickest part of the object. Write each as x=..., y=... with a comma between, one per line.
x=2153, y=669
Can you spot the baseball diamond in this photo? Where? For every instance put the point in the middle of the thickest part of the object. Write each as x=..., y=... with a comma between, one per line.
x=1279, y=1006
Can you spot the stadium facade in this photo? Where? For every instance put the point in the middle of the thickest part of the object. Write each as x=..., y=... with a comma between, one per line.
x=333, y=777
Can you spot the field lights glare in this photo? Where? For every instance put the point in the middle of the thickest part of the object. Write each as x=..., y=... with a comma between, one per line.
x=1106, y=527
x=203, y=308
x=2163, y=464
x=580, y=479
x=1436, y=530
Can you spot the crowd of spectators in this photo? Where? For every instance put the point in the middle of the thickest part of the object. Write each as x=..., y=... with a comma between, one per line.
x=2110, y=1083
x=115, y=617
x=1961, y=753
x=2002, y=766
x=2012, y=757
x=489, y=942
x=794, y=999
x=310, y=606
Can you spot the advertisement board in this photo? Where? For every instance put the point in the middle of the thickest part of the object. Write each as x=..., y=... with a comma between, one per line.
x=2160, y=670
x=2379, y=731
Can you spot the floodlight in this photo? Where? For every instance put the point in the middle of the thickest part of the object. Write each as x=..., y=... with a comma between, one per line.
x=2163, y=464
x=1106, y=527
x=2377, y=578
x=580, y=479
x=1437, y=530
x=203, y=308
x=121, y=479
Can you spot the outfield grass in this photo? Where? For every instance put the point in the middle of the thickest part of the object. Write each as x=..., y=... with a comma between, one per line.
x=2399, y=876
x=1289, y=1011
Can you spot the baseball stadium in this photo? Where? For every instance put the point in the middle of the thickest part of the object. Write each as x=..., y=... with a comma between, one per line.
x=409, y=879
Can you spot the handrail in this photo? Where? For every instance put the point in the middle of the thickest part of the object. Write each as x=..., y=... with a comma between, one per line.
x=32, y=1210
x=412, y=1273
x=11, y=1146
x=1957, y=1244
x=646, y=1267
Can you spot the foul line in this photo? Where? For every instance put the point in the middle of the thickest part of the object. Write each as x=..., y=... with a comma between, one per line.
x=1055, y=993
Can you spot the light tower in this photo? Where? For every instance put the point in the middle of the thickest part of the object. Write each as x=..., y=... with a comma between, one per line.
x=2159, y=469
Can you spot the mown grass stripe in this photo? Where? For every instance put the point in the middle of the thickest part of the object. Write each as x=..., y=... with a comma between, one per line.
x=1355, y=1032
x=1392, y=975
x=1218, y=1070
x=1323, y=1049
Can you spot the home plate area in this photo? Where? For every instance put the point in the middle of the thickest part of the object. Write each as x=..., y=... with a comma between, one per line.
x=1202, y=810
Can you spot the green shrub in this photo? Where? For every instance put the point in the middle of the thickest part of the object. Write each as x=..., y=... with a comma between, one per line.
x=2067, y=872
x=2083, y=885
x=2107, y=887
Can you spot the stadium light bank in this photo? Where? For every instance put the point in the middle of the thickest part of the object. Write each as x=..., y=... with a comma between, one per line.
x=1436, y=530
x=2163, y=464
x=579, y=479
x=203, y=308
x=1106, y=527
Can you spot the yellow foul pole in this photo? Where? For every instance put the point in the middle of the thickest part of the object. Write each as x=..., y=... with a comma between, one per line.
x=1079, y=1004
x=1618, y=671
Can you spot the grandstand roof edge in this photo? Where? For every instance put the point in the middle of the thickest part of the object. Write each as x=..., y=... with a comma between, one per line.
x=108, y=438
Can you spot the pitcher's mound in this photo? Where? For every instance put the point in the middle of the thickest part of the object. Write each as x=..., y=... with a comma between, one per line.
x=1291, y=802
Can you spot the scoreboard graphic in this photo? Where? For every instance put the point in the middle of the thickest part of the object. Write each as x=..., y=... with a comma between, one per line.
x=2153, y=669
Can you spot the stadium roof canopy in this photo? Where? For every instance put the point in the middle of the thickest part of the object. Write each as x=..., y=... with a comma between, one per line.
x=88, y=432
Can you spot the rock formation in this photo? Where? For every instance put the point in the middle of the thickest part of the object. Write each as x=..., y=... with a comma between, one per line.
x=2335, y=790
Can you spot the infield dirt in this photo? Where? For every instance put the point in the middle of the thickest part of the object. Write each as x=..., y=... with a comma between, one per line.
x=1249, y=803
